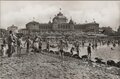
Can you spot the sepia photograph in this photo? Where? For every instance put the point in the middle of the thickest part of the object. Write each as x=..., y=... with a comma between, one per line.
x=59, y=39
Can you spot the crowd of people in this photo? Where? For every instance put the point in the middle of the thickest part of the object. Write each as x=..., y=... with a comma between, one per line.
x=13, y=43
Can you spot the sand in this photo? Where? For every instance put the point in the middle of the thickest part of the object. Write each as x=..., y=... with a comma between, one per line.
x=49, y=66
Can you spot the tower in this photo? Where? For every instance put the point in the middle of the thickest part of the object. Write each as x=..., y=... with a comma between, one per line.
x=71, y=23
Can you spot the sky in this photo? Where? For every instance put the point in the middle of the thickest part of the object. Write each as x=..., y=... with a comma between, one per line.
x=19, y=13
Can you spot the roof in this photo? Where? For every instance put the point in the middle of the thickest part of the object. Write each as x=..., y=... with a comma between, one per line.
x=2, y=29
x=33, y=22
x=60, y=16
x=88, y=23
x=85, y=25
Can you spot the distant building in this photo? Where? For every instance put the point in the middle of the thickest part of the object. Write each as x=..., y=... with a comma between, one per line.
x=13, y=28
x=23, y=31
x=87, y=27
x=107, y=30
x=61, y=24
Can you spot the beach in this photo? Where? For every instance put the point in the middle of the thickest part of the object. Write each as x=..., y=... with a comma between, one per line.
x=50, y=66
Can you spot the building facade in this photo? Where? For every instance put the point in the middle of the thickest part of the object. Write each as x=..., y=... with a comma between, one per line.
x=60, y=23
x=107, y=30
x=87, y=27
x=23, y=31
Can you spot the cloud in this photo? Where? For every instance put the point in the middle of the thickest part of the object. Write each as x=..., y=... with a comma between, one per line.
x=106, y=13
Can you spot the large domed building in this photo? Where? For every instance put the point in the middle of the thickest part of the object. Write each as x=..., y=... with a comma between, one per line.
x=60, y=23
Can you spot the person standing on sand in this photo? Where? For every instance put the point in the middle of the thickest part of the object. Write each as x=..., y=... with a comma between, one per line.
x=10, y=41
x=89, y=51
x=71, y=51
x=4, y=41
x=48, y=46
x=83, y=43
x=36, y=44
x=77, y=47
x=19, y=45
x=118, y=42
x=40, y=45
x=28, y=44
x=61, y=46
x=66, y=44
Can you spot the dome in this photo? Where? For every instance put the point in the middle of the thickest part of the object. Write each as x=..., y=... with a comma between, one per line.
x=60, y=16
x=32, y=22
